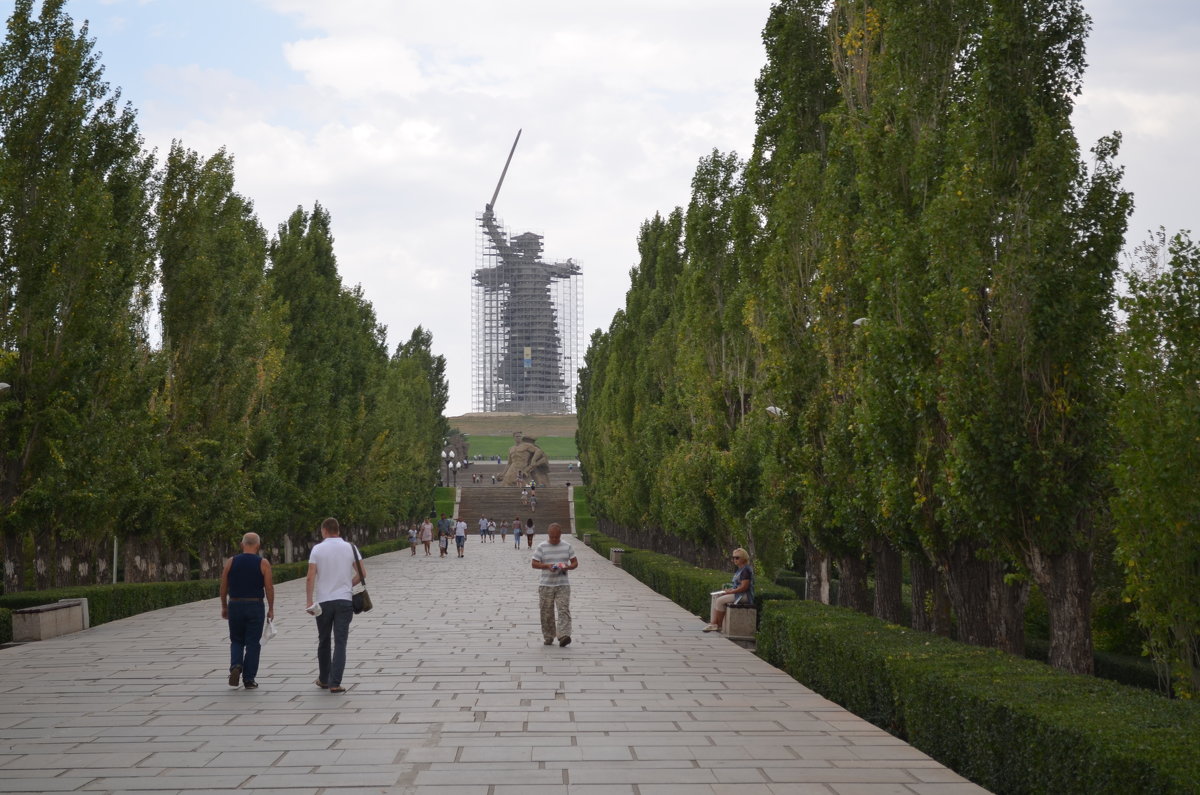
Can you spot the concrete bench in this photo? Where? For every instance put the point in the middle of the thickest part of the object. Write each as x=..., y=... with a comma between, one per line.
x=50, y=621
x=614, y=555
x=741, y=622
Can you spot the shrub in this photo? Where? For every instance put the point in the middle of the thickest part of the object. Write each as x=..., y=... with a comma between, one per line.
x=111, y=602
x=1009, y=724
x=5, y=625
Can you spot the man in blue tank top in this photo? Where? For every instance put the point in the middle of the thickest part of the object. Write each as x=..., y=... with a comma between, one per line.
x=245, y=582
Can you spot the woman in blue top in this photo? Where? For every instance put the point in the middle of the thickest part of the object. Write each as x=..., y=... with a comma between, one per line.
x=741, y=592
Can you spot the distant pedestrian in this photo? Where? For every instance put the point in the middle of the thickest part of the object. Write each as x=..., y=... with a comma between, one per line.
x=427, y=535
x=492, y=530
x=412, y=539
x=483, y=527
x=529, y=533
x=245, y=582
x=332, y=573
x=555, y=557
x=460, y=535
x=516, y=528
x=504, y=531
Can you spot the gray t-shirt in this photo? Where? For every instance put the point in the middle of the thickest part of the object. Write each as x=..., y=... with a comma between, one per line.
x=546, y=552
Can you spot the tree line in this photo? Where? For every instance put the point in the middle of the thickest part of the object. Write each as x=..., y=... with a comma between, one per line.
x=271, y=398
x=891, y=334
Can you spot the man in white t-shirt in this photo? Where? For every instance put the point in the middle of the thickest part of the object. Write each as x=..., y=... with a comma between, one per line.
x=332, y=573
x=555, y=558
x=460, y=535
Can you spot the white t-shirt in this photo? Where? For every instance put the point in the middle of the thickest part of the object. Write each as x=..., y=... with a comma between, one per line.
x=528, y=529
x=546, y=552
x=460, y=529
x=334, y=559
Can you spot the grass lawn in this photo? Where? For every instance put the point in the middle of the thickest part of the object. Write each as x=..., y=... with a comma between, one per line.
x=558, y=448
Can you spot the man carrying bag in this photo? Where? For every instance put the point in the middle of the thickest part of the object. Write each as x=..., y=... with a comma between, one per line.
x=333, y=569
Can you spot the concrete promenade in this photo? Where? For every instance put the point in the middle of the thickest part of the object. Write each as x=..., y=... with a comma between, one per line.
x=450, y=692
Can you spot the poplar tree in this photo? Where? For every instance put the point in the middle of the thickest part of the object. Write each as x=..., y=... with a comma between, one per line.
x=1024, y=240
x=222, y=345
x=1157, y=504
x=76, y=263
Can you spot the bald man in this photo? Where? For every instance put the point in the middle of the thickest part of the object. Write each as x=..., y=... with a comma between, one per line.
x=245, y=582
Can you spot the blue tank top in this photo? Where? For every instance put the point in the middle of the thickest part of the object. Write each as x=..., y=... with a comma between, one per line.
x=245, y=577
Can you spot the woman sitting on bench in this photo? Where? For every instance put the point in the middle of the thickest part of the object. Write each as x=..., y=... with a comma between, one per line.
x=740, y=591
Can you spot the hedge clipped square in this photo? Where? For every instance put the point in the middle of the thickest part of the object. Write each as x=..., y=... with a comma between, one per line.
x=1009, y=724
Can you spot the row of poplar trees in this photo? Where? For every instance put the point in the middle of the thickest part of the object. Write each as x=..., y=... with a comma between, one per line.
x=270, y=400
x=891, y=333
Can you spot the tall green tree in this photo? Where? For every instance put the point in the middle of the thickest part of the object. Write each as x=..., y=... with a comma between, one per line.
x=76, y=264
x=1024, y=242
x=1157, y=503
x=223, y=350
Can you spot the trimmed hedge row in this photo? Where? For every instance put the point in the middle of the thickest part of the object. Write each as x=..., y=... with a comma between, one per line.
x=111, y=602
x=1009, y=724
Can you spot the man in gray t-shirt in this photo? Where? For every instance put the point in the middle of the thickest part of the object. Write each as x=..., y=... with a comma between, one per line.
x=554, y=558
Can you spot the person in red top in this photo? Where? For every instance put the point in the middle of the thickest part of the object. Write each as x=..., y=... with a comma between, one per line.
x=245, y=582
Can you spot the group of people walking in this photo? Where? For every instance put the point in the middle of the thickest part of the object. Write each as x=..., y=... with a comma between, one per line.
x=456, y=528
x=335, y=570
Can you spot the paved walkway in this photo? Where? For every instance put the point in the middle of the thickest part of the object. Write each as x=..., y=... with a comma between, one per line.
x=451, y=691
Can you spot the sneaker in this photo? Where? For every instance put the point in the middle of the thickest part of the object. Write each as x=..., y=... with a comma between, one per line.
x=250, y=685
x=235, y=674
x=565, y=640
x=549, y=642
x=712, y=628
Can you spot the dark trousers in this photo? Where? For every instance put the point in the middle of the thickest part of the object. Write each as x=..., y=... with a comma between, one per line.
x=246, y=621
x=333, y=624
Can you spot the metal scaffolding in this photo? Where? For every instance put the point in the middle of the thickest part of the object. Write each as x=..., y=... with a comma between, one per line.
x=527, y=324
x=526, y=321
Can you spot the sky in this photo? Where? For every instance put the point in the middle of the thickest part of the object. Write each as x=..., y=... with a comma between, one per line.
x=397, y=116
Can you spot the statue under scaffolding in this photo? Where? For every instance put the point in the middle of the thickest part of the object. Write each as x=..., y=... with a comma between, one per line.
x=527, y=319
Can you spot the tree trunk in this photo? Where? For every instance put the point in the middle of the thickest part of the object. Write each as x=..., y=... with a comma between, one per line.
x=211, y=560
x=143, y=560
x=14, y=563
x=43, y=565
x=930, y=600
x=816, y=570
x=852, y=584
x=990, y=612
x=1066, y=582
x=887, y=580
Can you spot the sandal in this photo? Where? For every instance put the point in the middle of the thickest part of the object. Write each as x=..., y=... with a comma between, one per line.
x=337, y=689
x=321, y=684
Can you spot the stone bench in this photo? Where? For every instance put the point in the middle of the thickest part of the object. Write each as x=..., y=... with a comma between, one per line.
x=50, y=621
x=741, y=622
x=614, y=555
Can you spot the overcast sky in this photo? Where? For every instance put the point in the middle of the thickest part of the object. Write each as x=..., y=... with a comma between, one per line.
x=397, y=115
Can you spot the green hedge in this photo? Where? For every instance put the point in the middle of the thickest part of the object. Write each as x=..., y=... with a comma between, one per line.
x=1133, y=671
x=1009, y=724
x=793, y=580
x=111, y=602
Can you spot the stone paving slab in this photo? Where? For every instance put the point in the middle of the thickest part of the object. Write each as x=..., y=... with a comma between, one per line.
x=451, y=692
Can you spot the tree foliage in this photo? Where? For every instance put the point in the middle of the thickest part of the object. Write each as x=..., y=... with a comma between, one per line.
x=271, y=400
